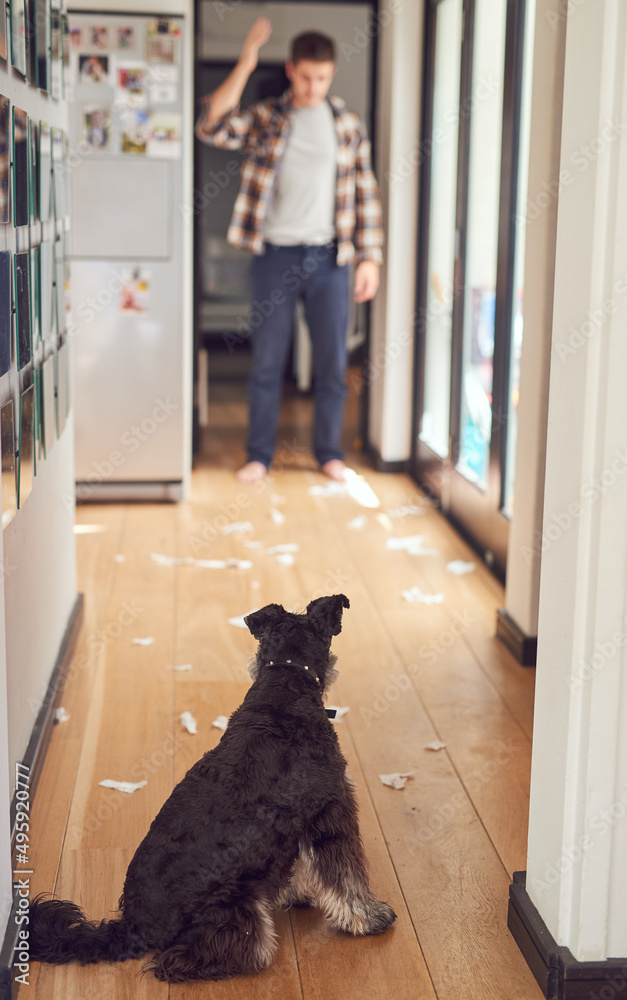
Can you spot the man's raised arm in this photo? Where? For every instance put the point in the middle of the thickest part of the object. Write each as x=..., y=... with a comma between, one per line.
x=228, y=94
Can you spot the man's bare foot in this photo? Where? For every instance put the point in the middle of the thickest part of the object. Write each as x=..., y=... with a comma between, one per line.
x=252, y=472
x=334, y=469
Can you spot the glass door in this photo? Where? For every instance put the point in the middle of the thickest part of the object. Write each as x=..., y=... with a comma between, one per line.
x=470, y=259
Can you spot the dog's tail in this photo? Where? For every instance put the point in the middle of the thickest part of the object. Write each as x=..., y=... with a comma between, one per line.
x=59, y=933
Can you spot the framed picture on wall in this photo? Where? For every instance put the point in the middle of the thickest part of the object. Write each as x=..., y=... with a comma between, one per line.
x=22, y=308
x=5, y=312
x=18, y=35
x=26, y=457
x=33, y=181
x=4, y=51
x=45, y=171
x=46, y=291
x=56, y=66
x=42, y=17
x=9, y=479
x=35, y=316
x=21, y=215
x=31, y=42
x=5, y=156
x=49, y=404
x=58, y=177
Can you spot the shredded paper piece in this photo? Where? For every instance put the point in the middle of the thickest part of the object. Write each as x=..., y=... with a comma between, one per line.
x=231, y=563
x=406, y=510
x=122, y=786
x=162, y=560
x=398, y=780
x=221, y=722
x=239, y=622
x=183, y=666
x=277, y=516
x=415, y=594
x=249, y=544
x=148, y=641
x=237, y=528
x=60, y=714
x=410, y=543
x=459, y=567
x=285, y=559
x=340, y=711
x=276, y=498
x=329, y=490
x=277, y=550
x=357, y=523
x=189, y=723
x=360, y=490
x=119, y=558
x=436, y=745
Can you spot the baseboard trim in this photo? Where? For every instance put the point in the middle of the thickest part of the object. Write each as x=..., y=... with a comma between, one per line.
x=33, y=760
x=524, y=647
x=381, y=465
x=558, y=974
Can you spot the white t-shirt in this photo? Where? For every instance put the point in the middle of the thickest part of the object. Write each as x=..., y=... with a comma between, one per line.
x=302, y=203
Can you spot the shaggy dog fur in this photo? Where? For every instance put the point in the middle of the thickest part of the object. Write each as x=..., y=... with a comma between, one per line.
x=266, y=818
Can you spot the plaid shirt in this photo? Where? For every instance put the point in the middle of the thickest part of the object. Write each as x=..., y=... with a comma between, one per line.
x=262, y=132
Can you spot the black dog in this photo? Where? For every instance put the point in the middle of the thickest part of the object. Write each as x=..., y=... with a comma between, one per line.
x=266, y=818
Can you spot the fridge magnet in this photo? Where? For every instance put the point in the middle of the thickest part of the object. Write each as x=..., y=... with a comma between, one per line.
x=125, y=38
x=164, y=26
x=162, y=93
x=5, y=312
x=98, y=36
x=160, y=48
x=5, y=157
x=135, y=291
x=9, y=481
x=26, y=458
x=131, y=85
x=96, y=120
x=76, y=36
x=93, y=69
x=164, y=135
x=133, y=131
x=164, y=74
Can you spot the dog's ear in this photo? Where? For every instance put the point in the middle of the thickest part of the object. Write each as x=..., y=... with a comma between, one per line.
x=260, y=622
x=325, y=614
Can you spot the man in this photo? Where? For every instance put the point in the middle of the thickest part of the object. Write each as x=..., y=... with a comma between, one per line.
x=307, y=206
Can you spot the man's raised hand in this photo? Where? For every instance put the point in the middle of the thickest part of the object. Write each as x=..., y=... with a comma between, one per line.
x=256, y=37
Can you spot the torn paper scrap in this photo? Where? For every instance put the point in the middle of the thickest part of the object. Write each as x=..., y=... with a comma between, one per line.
x=285, y=559
x=406, y=510
x=239, y=622
x=277, y=516
x=415, y=594
x=122, y=786
x=230, y=563
x=255, y=584
x=119, y=558
x=188, y=722
x=459, y=567
x=182, y=666
x=162, y=560
x=410, y=543
x=221, y=722
x=329, y=490
x=285, y=547
x=339, y=711
x=436, y=745
x=237, y=528
x=60, y=714
x=148, y=641
x=249, y=544
x=276, y=498
x=360, y=490
x=357, y=523
x=398, y=780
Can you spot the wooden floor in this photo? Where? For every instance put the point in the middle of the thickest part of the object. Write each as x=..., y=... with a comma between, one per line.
x=441, y=851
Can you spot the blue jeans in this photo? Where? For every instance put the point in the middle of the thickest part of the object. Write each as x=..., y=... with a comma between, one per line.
x=279, y=277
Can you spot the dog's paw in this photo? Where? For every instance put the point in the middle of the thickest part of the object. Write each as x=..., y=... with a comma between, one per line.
x=380, y=917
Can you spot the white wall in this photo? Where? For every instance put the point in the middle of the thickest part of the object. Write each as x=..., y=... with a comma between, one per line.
x=398, y=137
x=39, y=579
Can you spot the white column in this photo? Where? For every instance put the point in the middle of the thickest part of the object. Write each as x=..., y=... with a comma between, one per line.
x=538, y=224
x=577, y=873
